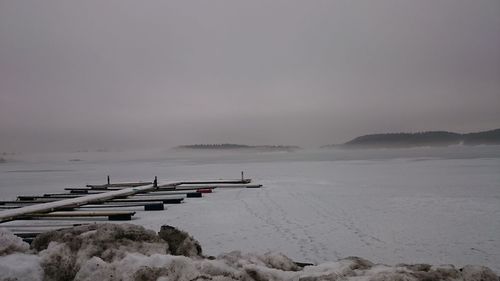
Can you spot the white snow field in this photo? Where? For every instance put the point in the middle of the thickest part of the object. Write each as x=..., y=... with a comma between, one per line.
x=429, y=205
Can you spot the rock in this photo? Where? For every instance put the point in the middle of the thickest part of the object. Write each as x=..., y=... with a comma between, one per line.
x=63, y=252
x=103, y=240
x=478, y=273
x=180, y=242
x=359, y=263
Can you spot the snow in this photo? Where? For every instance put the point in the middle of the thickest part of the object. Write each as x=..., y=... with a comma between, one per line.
x=9, y=243
x=405, y=206
x=21, y=267
x=71, y=255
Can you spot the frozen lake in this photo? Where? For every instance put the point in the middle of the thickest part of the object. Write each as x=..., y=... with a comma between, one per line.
x=389, y=206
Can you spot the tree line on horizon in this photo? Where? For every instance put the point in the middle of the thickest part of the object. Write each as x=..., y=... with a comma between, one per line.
x=430, y=138
x=386, y=140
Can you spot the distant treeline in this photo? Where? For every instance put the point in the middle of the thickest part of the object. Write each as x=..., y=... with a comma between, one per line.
x=232, y=146
x=435, y=138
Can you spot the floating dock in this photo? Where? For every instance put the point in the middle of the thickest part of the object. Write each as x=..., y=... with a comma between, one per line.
x=88, y=202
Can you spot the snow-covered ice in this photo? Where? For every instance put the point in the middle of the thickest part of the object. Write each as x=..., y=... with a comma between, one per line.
x=437, y=206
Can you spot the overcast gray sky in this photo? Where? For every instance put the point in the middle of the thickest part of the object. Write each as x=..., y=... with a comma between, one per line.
x=90, y=74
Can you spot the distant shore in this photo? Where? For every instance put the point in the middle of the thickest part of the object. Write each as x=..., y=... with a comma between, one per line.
x=421, y=139
x=230, y=146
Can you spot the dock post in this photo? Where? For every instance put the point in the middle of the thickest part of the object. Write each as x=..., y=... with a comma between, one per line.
x=242, y=176
x=155, y=182
x=108, y=180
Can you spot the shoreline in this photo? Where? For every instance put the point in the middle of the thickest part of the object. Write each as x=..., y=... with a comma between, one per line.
x=130, y=252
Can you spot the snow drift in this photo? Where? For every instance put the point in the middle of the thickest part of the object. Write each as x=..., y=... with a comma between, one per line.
x=130, y=252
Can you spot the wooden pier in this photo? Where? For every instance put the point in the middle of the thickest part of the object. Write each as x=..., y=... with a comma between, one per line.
x=88, y=202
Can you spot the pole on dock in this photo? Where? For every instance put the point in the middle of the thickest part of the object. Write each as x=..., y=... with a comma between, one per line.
x=242, y=176
x=109, y=181
x=155, y=182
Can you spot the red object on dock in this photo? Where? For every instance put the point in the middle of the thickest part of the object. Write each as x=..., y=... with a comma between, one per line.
x=204, y=190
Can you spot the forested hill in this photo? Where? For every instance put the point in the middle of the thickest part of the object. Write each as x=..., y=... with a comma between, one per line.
x=486, y=137
x=435, y=138
x=230, y=146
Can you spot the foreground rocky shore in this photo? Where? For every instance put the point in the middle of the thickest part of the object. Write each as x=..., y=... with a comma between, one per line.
x=130, y=252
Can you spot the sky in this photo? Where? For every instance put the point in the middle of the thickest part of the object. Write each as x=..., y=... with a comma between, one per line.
x=134, y=74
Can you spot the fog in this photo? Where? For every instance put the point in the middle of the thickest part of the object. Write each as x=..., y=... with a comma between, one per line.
x=128, y=74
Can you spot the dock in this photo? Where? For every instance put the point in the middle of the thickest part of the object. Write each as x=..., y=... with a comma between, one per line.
x=95, y=202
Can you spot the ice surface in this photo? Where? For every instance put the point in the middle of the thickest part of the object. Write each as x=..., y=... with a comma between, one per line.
x=413, y=206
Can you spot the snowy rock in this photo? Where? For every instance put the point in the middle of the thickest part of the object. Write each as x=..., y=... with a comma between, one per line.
x=131, y=253
x=270, y=260
x=180, y=242
x=425, y=273
x=58, y=262
x=478, y=273
x=103, y=240
x=96, y=269
x=63, y=252
x=9, y=243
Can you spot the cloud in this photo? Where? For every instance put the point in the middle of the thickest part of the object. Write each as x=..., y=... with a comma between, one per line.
x=181, y=71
